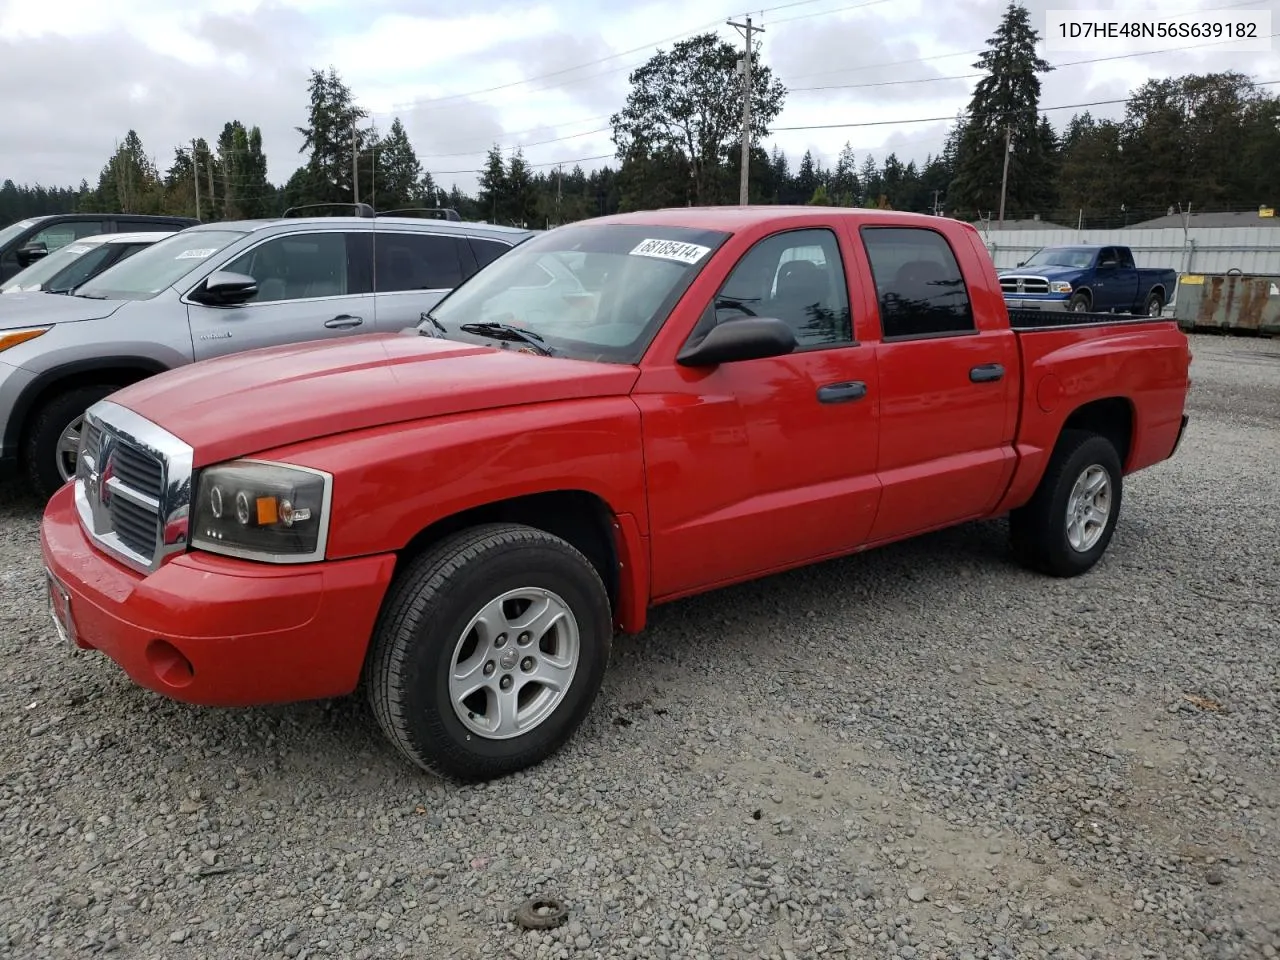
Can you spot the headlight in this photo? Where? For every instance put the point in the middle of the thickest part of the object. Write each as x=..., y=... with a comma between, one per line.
x=1059, y=286
x=11, y=338
x=262, y=511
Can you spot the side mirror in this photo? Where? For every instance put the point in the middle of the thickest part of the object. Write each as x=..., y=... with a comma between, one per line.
x=225, y=289
x=750, y=338
x=1108, y=264
x=1022, y=263
x=29, y=253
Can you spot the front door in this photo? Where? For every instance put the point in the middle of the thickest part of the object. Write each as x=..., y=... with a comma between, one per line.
x=311, y=286
x=762, y=464
x=947, y=385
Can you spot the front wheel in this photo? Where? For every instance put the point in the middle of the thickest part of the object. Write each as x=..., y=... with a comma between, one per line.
x=53, y=440
x=1079, y=302
x=1066, y=526
x=489, y=652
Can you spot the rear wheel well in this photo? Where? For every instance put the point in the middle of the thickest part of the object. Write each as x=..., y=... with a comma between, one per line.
x=1111, y=418
x=581, y=518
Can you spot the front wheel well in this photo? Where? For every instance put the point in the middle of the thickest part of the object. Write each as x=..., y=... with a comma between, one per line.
x=71, y=378
x=583, y=519
x=1111, y=418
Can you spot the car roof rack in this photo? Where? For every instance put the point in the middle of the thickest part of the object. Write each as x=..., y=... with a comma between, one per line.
x=437, y=213
x=359, y=209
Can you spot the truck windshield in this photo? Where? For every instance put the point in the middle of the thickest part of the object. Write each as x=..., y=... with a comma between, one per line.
x=11, y=231
x=1061, y=257
x=589, y=292
x=160, y=266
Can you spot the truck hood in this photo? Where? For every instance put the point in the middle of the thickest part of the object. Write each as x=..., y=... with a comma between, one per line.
x=37, y=309
x=245, y=403
x=1048, y=271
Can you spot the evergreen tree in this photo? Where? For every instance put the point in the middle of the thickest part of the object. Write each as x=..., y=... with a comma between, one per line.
x=845, y=190
x=1005, y=109
x=494, y=191
x=332, y=124
x=395, y=171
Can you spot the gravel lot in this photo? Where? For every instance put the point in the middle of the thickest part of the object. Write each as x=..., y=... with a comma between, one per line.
x=920, y=752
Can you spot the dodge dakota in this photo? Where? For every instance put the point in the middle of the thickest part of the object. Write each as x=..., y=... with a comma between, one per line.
x=457, y=519
x=1086, y=278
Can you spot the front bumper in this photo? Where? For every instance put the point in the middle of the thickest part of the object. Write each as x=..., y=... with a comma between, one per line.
x=216, y=631
x=1037, y=303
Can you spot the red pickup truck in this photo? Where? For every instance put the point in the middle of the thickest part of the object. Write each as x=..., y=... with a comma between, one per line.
x=617, y=413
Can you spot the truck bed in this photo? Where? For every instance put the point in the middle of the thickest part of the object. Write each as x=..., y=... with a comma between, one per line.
x=1028, y=320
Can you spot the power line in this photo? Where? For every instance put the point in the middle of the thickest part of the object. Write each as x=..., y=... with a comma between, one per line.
x=900, y=122
x=430, y=101
x=1056, y=66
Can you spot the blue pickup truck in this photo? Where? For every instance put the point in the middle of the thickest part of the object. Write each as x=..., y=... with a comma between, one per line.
x=1083, y=278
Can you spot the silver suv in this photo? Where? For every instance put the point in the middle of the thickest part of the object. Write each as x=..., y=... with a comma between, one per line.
x=210, y=290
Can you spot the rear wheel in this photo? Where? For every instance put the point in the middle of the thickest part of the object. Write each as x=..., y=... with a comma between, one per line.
x=1155, y=304
x=1066, y=526
x=53, y=439
x=489, y=652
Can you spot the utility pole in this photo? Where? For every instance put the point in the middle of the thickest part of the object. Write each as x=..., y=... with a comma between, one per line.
x=195, y=175
x=355, y=166
x=747, y=30
x=935, y=202
x=1004, y=179
x=373, y=169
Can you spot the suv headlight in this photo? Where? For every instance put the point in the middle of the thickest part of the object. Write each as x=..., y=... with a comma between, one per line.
x=256, y=510
x=1059, y=286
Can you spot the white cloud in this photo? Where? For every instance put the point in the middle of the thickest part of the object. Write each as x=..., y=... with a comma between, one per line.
x=177, y=71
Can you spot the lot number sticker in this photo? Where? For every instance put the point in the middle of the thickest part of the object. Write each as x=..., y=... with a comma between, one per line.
x=671, y=250
x=197, y=254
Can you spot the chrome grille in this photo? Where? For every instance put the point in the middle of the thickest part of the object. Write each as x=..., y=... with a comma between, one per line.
x=132, y=486
x=1024, y=285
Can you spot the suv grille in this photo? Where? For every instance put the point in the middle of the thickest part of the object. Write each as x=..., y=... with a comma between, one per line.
x=1022, y=285
x=132, y=486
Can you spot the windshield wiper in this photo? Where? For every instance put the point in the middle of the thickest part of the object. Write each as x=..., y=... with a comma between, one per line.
x=426, y=317
x=510, y=333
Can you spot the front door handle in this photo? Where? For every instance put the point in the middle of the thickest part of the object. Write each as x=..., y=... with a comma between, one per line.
x=842, y=392
x=986, y=373
x=343, y=321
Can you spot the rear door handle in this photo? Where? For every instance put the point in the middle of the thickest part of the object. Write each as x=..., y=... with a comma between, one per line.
x=986, y=373
x=343, y=321
x=842, y=392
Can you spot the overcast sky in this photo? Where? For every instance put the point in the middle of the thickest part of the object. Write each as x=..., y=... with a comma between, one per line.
x=79, y=73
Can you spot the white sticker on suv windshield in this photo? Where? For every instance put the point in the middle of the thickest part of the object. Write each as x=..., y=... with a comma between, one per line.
x=671, y=250
x=197, y=254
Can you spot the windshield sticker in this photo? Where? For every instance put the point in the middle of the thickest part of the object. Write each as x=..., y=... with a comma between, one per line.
x=671, y=250
x=197, y=254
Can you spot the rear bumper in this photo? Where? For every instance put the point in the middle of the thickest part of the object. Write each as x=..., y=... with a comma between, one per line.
x=215, y=631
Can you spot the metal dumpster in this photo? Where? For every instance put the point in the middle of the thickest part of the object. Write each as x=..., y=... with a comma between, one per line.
x=1228, y=301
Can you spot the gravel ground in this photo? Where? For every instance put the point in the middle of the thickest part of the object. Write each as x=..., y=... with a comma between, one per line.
x=920, y=752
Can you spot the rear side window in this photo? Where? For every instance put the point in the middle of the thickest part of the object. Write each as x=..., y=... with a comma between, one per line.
x=919, y=285
x=416, y=261
x=487, y=251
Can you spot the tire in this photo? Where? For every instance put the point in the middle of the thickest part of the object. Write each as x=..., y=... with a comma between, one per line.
x=1039, y=531
x=1079, y=302
x=56, y=417
x=425, y=624
x=1154, y=306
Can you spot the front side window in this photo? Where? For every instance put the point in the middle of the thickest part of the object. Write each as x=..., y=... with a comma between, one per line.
x=60, y=234
x=918, y=282
x=296, y=267
x=416, y=261
x=160, y=266
x=796, y=277
x=590, y=291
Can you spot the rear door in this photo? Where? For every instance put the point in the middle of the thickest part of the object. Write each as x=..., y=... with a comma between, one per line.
x=947, y=378
x=312, y=285
x=413, y=270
